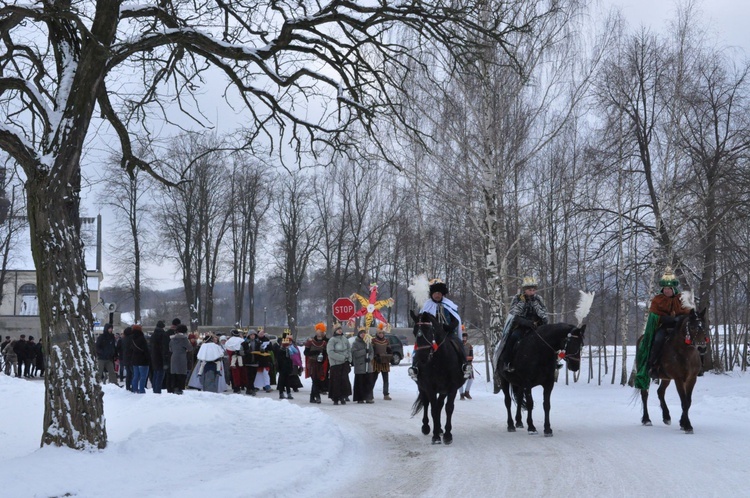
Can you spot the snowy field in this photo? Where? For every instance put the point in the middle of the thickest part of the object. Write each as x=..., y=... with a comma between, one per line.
x=202, y=444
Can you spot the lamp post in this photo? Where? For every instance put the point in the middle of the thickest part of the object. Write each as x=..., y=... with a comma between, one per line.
x=265, y=313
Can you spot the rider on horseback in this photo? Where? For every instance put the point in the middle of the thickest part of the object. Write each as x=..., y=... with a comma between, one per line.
x=668, y=305
x=446, y=311
x=529, y=312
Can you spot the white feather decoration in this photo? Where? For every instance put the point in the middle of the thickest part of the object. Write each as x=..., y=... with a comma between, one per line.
x=420, y=289
x=584, y=306
x=687, y=299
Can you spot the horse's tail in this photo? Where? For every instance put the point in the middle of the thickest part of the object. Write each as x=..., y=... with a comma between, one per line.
x=520, y=401
x=418, y=405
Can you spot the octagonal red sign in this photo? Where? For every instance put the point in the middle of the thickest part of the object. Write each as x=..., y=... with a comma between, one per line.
x=343, y=309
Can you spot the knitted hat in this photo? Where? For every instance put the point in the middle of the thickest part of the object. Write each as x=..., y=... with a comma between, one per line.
x=437, y=285
x=669, y=279
x=529, y=282
x=320, y=327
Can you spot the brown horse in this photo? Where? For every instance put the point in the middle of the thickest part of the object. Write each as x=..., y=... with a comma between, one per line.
x=680, y=361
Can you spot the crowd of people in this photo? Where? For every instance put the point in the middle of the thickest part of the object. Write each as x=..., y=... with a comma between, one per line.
x=22, y=357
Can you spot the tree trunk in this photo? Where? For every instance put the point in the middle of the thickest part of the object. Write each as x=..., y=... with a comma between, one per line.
x=74, y=410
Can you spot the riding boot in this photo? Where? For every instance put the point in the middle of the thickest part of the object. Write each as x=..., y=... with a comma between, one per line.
x=507, y=352
x=655, y=354
x=413, y=372
x=468, y=396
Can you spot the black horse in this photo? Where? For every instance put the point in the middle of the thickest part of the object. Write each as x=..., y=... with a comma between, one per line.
x=535, y=360
x=680, y=360
x=440, y=375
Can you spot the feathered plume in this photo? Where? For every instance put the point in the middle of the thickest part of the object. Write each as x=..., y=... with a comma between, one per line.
x=584, y=306
x=687, y=299
x=420, y=289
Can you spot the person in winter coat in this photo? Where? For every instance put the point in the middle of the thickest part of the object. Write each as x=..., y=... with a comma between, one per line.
x=141, y=359
x=250, y=360
x=168, y=379
x=237, y=369
x=362, y=355
x=381, y=363
x=29, y=368
x=211, y=358
x=316, y=356
x=340, y=358
x=159, y=356
x=283, y=352
x=668, y=306
x=105, y=354
x=41, y=362
x=528, y=312
x=19, y=347
x=126, y=361
x=180, y=347
x=264, y=358
x=11, y=359
x=2, y=355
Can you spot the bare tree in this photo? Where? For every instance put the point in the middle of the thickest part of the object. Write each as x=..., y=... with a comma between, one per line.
x=250, y=200
x=297, y=241
x=127, y=196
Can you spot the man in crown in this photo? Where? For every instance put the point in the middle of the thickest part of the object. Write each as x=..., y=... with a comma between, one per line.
x=528, y=311
x=668, y=305
x=446, y=311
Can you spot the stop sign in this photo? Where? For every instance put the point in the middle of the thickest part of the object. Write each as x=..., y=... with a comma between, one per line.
x=343, y=309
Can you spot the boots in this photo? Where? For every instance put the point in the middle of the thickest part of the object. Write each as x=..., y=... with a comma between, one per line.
x=386, y=397
x=281, y=394
x=289, y=395
x=467, y=395
x=463, y=396
x=312, y=398
x=413, y=372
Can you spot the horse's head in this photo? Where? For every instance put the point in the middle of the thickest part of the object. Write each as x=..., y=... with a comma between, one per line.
x=695, y=331
x=427, y=330
x=572, y=346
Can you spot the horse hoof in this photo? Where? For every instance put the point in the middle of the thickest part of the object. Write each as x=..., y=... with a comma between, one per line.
x=688, y=431
x=532, y=433
x=547, y=434
x=519, y=425
x=447, y=439
x=647, y=423
x=425, y=429
x=511, y=428
x=667, y=421
x=436, y=440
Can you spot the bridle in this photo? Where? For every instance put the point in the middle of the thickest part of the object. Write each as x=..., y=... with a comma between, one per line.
x=562, y=353
x=431, y=344
x=693, y=329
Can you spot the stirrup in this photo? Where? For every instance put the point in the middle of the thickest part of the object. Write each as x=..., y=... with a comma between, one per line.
x=413, y=372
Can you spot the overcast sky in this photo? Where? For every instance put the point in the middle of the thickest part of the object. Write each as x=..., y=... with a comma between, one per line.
x=727, y=18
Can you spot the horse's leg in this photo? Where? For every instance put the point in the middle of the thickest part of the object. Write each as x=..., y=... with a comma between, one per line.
x=425, y=413
x=506, y=392
x=546, y=405
x=663, y=384
x=685, y=390
x=645, y=420
x=529, y=409
x=518, y=393
x=449, y=405
x=437, y=408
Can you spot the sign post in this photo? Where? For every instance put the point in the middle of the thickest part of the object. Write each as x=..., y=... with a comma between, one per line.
x=343, y=309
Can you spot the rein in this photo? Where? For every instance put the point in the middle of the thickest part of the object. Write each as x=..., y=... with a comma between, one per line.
x=433, y=346
x=561, y=353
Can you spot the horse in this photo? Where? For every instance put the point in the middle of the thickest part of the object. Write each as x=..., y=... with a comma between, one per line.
x=439, y=376
x=535, y=360
x=680, y=361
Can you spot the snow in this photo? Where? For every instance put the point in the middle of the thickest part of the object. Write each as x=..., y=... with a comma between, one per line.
x=203, y=444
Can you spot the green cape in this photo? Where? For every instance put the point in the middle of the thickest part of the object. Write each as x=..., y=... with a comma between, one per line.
x=642, y=379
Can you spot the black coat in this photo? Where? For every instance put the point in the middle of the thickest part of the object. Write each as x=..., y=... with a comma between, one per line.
x=106, y=346
x=159, y=348
x=140, y=354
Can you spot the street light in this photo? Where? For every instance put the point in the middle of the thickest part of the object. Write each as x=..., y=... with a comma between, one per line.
x=265, y=312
